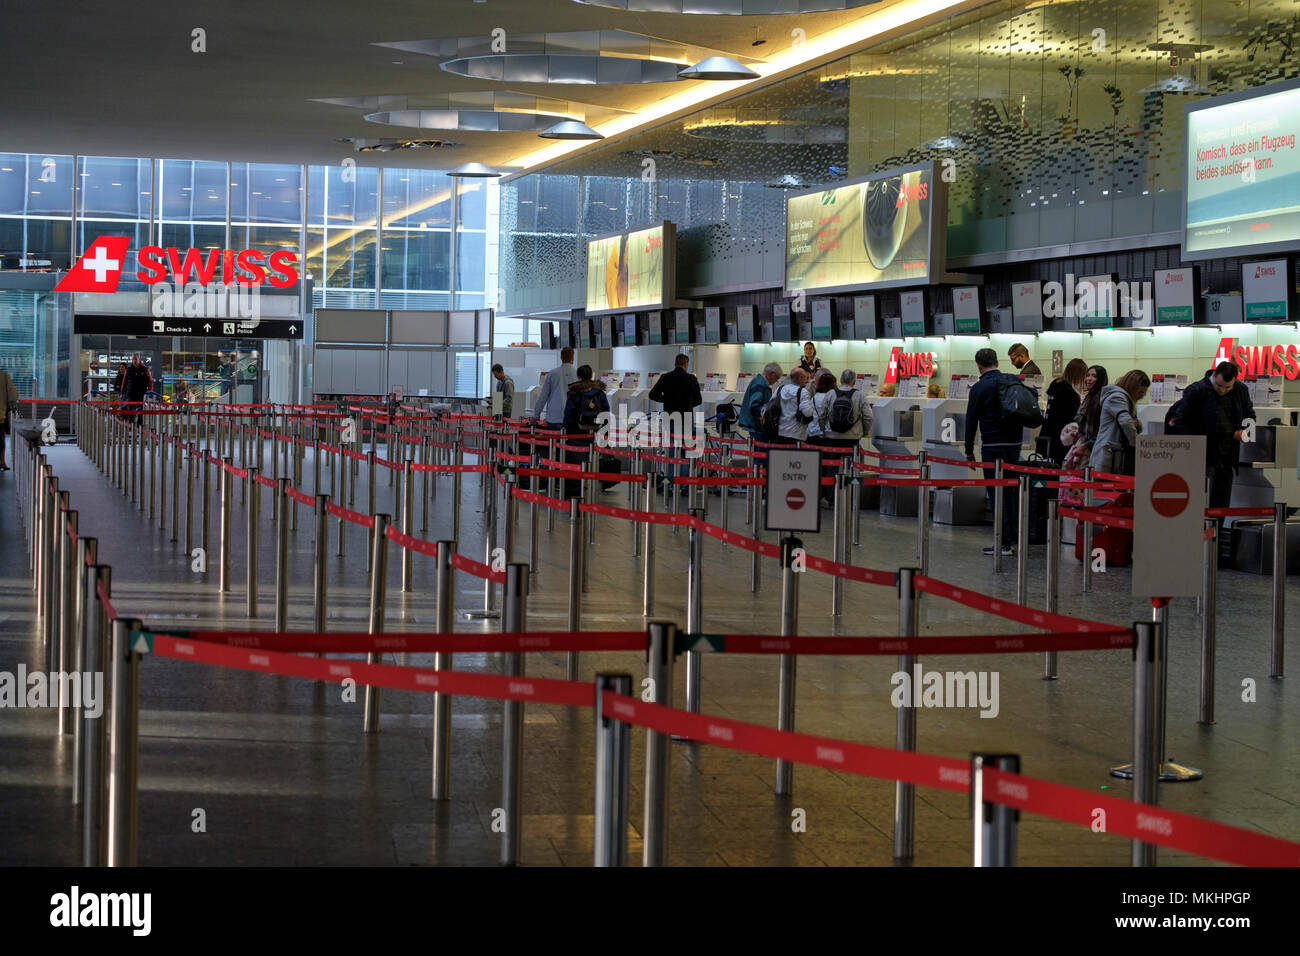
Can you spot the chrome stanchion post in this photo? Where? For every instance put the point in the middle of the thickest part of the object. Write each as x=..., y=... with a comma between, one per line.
x=1209, y=618
x=489, y=546
x=320, y=584
x=341, y=528
x=648, y=551
x=378, y=597
x=123, y=759
x=207, y=498
x=225, y=569
x=694, y=608
x=176, y=487
x=514, y=620
x=1085, y=528
x=408, y=520
x=1277, y=648
x=69, y=548
x=1053, y=577
x=999, y=504
x=857, y=497
x=837, y=542
x=788, y=662
x=94, y=727
x=535, y=486
x=654, y=837
x=254, y=499
x=455, y=489
x=1146, y=759
x=83, y=579
x=613, y=751
x=442, y=662
x=577, y=558
x=994, y=837
x=281, y=557
x=159, y=442
x=189, y=498
x=370, y=497
x=756, y=526
x=905, y=737
x=1022, y=540
x=512, y=512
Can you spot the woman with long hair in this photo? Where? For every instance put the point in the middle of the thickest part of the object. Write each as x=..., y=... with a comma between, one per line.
x=810, y=363
x=1078, y=436
x=1063, y=398
x=1117, y=424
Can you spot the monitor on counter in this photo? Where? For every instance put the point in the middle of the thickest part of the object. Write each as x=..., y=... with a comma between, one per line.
x=866, y=322
x=656, y=328
x=713, y=324
x=682, y=330
x=967, y=310
x=822, y=315
x=606, y=326
x=745, y=323
x=566, y=333
x=911, y=305
x=781, y=330
x=547, y=331
x=629, y=329
x=585, y=338
x=1178, y=296
x=1027, y=307
x=943, y=324
x=1268, y=291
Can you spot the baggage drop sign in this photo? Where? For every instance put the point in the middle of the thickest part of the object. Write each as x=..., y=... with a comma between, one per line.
x=793, y=490
x=1169, y=516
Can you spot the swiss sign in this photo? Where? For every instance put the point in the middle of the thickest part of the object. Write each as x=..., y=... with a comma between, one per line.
x=793, y=483
x=100, y=267
x=1168, y=515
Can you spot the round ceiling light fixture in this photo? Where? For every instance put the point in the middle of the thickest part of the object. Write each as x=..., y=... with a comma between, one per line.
x=474, y=171
x=718, y=68
x=570, y=129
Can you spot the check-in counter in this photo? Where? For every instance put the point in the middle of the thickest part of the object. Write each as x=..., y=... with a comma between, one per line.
x=943, y=433
x=896, y=430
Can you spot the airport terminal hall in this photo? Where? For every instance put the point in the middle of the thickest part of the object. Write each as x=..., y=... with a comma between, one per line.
x=702, y=434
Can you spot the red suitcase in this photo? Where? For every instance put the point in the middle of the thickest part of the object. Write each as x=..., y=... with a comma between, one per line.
x=1115, y=543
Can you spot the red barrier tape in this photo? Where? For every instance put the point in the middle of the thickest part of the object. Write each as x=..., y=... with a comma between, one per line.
x=265, y=480
x=882, y=470
x=957, y=644
x=450, y=469
x=719, y=482
x=849, y=571
x=109, y=610
x=1007, y=609
x=563, y=465
x=666, y=459
x=360, y=642
x=1123, y=481
x=237, y=472
x=1107, y=517
x=356, y=517
x=539, y=499
x=1239, y=512
x=404, y=540
x=476, y=568
x=299, y=497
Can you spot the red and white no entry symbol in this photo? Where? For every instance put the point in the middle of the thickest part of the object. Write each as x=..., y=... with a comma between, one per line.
x=794, y=499
x=1170, y=495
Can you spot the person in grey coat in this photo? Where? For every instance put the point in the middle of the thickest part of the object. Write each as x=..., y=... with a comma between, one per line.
x=1118, y=425
x=549, y=404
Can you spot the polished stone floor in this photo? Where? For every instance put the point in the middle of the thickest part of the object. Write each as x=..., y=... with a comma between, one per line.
x=284, y=775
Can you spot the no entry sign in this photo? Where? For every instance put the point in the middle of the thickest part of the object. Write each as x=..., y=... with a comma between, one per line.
x=1168, y=516
x=793, y=482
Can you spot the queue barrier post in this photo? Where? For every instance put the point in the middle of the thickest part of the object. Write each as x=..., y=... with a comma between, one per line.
x=225, y=569
x=923, y=516
x=838, y=547
x=66, y=603
x=94, y=727
x=756, y=526
x=1085, y=528
x=1022, y=539
x=378, y=598
x=694, y=608
x=514, y=620
x=662, y=638
x=994, y=836
x=281, y=556
x=442, y=662
x=205, y=516
x=82, y=579
x=1209, y=618
x=320, y=586
x=905, y=732
x=1277, y=646
x=489, y=546
x=408, y=520
x=341, y=529
x=788, y=662
x=648, y=552
x=455, y=489
x=1053, y=577
x=254, y=499
x=176, y=486
x=613, y=754
x=123, y=762
x=1146, y=758
x=999, y=508
x=534, y=485
x=370, y=495
x=577, y=558
x=189, y=498
x=857, y=496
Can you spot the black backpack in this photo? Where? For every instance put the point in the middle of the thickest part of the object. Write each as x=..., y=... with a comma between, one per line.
x=588, y=412
x=770, y=418
x=1174, y=419
x=841, y=417
x=1019, y=402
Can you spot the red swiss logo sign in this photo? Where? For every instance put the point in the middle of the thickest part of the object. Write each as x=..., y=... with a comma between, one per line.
x=1260, y=360
x=908, y=363
x=100, y=267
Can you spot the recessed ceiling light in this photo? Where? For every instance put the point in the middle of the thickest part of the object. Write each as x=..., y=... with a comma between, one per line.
x=398, y=62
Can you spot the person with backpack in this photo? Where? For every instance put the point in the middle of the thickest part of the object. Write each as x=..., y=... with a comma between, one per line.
x=820, y=391
x=582, y=416
x=787, y=414
x=757, y=394
x=1113, y=451
x=1217, y=407
x=848, y=419
x=1000, y=437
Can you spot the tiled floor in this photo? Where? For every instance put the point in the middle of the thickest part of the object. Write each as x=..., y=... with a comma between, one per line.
x=284, y=775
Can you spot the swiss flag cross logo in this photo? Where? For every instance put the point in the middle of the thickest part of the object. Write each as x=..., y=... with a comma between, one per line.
x=99, y=268
x=1225, y=351
x=891, y=373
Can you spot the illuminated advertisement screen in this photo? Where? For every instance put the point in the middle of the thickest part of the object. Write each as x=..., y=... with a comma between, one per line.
x=1241, y=173
x=631, y=270
x=873, y=233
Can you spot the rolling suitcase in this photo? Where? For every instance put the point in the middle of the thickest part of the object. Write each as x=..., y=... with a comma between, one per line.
x=610, y=464
x=1115, y=543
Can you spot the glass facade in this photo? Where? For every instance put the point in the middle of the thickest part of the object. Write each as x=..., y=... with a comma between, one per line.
x=1057, y=123
x=328, y=214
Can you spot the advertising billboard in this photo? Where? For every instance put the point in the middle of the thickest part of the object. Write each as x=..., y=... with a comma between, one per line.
x=883, y=231
x=631, y=270
x=1241, y=173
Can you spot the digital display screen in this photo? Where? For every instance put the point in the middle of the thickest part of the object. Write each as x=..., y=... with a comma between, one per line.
x=912, y=306
x=683, y=317
x=877, y=232
x=1241, y=173
x=1095, y=305
x=781, y=322
x=629, y=329
x=712, y=324
x=656, y=328
x=1176, y=296
x=966, y=310
x=821, y=320
x=745, y=322
x=864, y=316
x=1266, y=290
x=631, y=270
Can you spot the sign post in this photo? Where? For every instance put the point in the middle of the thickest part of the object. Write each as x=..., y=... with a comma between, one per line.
x=793, y=490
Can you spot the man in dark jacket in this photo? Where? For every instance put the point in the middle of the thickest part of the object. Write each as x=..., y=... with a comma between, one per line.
x=1217, y=407
x=757, y=394
x=135, y=385
x=582, y=416
x=679, y=391
x=999, y=439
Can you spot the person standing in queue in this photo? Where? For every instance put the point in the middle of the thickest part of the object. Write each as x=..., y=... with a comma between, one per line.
x=796, y=409
x=582, y=412
x=1218, y=407
x=821, y=391
x=757, y=394
x=810, y=363
x=1000, y=440
x=848, y=417
x=1088, y=417
x=1118, y=425
x=8, y=406
x=679, y=393
x=1019, y=356
x=506, y=386
x=1063, y=398
x=554, y=393
x=137, y=383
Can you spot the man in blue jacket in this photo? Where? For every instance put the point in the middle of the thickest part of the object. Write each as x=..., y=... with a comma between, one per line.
x=1000, y=439
x=757, y=395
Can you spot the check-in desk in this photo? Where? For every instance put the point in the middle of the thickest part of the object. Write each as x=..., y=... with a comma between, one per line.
x=943, y=433
x=896, y=430
x=1265, y=476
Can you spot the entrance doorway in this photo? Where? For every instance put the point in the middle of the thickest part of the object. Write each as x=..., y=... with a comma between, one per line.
x=212, y=369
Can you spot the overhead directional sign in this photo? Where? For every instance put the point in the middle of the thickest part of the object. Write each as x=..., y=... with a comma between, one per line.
x=793, y=483
x=211, y=328
x=1168, y=516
